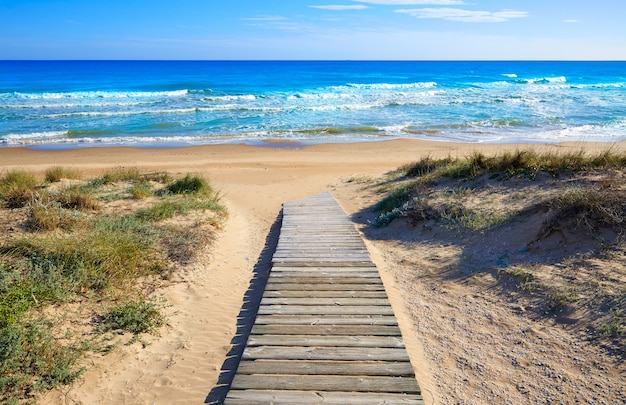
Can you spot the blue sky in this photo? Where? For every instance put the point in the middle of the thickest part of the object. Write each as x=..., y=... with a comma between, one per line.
x=313, y=29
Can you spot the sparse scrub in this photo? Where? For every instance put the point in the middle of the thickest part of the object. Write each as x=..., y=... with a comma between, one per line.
x=31, y=360
x=17, y=188
x=190, y=185
x=78, y=200
x=136, y=316
x=112, y=251
x=589, y=208
x=168, y=209
x=50, y=215
x=58, y=173
x=141, y=190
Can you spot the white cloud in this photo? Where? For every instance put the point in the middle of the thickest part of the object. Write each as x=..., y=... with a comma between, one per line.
x=338, y=7
x=414, y=2
x=572, y=21
x=457, y=14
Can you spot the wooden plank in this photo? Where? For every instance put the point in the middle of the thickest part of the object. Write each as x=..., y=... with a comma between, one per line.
x=324, y=341
x=319, y=263
x=324, y=310
x=321, y=367
x=290, y=397
x=338, y=274
x=400, y=385
x=324, y=280
x=325, y=301
x=353, y=269
x=324, y=294
x=271, y=286
x=336, y=330
x=368, y=319
x=325, y=353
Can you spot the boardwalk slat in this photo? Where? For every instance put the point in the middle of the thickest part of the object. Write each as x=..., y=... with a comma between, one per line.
x=325, y=320
x=358, y=368
x=324, y=294
x=324, y=341
x=398, y=385
x=325, y=353
x=325, y=310
x=271, y=286
x=336, y=330
x=290, y=397
x=325, y=301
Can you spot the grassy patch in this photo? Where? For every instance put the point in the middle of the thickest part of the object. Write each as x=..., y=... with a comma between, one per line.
x=58, y=173
x=17, y=188
x=74, y=246
x=141, y=190
x=135, y=316
x=190, y=185
x=31, y=361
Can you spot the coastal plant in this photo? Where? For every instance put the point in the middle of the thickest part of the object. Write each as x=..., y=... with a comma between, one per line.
x=77, y=199
x=169, y=208
x=49, y=215
x=31, y=360
x=190, y=185
x=17, y=188
x=588, y=208
x=141, y=190
x=57, y=173
x=134, y=316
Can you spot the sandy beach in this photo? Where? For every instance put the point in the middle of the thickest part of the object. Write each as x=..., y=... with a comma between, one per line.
x=182, y=366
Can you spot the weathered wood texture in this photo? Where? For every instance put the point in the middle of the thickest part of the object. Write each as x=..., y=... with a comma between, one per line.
x=325, y=331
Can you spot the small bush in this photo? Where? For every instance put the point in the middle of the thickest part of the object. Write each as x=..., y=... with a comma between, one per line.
x=141, y=190
x=190, y=185
x=57, y=173
x=138, y=316
x=31, y=360
x=78, y=200
x=48, y=216
x=118, y=174
x=17, y=188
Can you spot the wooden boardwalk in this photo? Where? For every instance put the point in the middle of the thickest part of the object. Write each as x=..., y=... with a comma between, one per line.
x=325, y=331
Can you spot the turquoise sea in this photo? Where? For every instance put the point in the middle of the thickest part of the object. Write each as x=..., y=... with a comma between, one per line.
x=57, y=104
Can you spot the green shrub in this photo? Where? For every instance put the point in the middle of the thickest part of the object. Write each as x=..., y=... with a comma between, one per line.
x=190, y=185
x=31, y=360
x=17, y=188
x=57, y=173
x=139, y=316
x=141, y=190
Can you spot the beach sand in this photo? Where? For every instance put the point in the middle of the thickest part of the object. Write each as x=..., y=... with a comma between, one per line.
x=182, y=366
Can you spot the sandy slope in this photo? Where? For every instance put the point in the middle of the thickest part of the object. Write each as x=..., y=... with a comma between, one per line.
x=183, y=365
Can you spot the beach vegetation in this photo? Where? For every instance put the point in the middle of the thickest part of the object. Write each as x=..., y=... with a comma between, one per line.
x=17, y=188
x=58, y=173
x=136, y=316
x=76, y=245
x=190, y=184
x=141, y=190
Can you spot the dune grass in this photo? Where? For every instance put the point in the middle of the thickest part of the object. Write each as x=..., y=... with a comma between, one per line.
x=522, y=163
x=72, y=247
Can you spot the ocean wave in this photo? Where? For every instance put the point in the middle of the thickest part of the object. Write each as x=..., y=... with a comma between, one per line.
x=24, y=138
x=389, y=86
x=542, y=80
x=94, y=95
